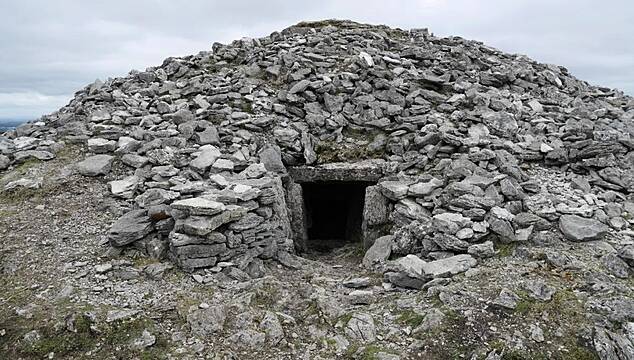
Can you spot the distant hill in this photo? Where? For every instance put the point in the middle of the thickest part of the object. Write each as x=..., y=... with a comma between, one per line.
x=10, y=124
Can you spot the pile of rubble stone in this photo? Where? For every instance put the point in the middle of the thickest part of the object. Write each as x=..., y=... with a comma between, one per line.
x=464, y=134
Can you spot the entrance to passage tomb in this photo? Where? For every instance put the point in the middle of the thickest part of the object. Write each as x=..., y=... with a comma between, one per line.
x=334, y=205
x=334, y=213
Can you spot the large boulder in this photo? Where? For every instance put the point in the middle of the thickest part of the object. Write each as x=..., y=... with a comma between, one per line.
x=577, y=228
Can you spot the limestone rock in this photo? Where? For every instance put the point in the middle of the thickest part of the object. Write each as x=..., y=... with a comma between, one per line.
x=95, y=165
x=132, y=226
x=361, y=327
x=199, y=206
x=450, y=266
x=208, y=155
x=394, y=190
x=207, y=322
x=424, y=188
x=379, y=252
x=4, y=162
x=507, y=299
x=124, y=188
x=577, y=228
x=22, y=156
x=101, y=146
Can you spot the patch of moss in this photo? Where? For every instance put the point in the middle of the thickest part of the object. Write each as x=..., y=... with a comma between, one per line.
x=6, y=213
x=124, y=331
x=351, y=351
x=580, y=352
x=141, y=261
x=183, y=304
x=410, y=318
x=504, y=249
x=21, y=195
x=370, y=352
x=265, y=296
x=515, y=354
x=498, y=345
x=523, y=306
x=62, y=342
x=24, y=167
x=330, y=151
x=247, y=107
x=69, y=153
x=344, y=319
x=435, y=301
x=566, y=309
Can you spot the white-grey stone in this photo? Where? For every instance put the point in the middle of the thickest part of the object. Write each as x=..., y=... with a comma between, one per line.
x=577, y=228
x=394, y=190
x=124, y=188
x=207, y=322
x=379, y=252
x=424, y=188
x=101, y=146
x=507, y=299
x=361, y=327
x=449, y=266
x=199, y=206
x=95, y=165
x=207, y=156
x=361, y=297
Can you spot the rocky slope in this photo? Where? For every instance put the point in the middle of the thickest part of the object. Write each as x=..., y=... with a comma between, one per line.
x=505, y=226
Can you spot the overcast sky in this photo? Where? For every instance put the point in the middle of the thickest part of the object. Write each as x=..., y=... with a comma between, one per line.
x=50, y=49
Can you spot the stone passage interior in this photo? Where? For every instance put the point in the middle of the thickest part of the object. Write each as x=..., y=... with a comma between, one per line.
x=334, y=213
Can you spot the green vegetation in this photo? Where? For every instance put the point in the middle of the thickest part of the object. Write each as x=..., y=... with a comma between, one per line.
x=6, y=213
x=563, y=308
x=76, y=335
x=410, y=318
x=564, y=303
x=20, y=195
x=504, y=249
x=344, y=319
x=266, y=296
x=330, y=151
x=575, y=352
x=246, y=107
x=37, y=168
x=369, y=352
x=24, y=167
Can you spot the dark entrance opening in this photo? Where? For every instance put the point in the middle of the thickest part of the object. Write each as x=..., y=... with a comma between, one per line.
x=334, y=213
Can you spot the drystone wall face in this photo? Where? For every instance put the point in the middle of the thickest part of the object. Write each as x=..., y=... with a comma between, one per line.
x=196, y=147
x=246, y=220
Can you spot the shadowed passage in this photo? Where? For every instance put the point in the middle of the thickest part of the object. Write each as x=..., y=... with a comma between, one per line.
x=334, y=213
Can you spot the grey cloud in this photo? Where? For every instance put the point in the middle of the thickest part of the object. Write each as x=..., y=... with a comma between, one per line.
x=54, y=48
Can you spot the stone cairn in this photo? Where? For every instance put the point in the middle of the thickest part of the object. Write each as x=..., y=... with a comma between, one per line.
x=464, y=136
